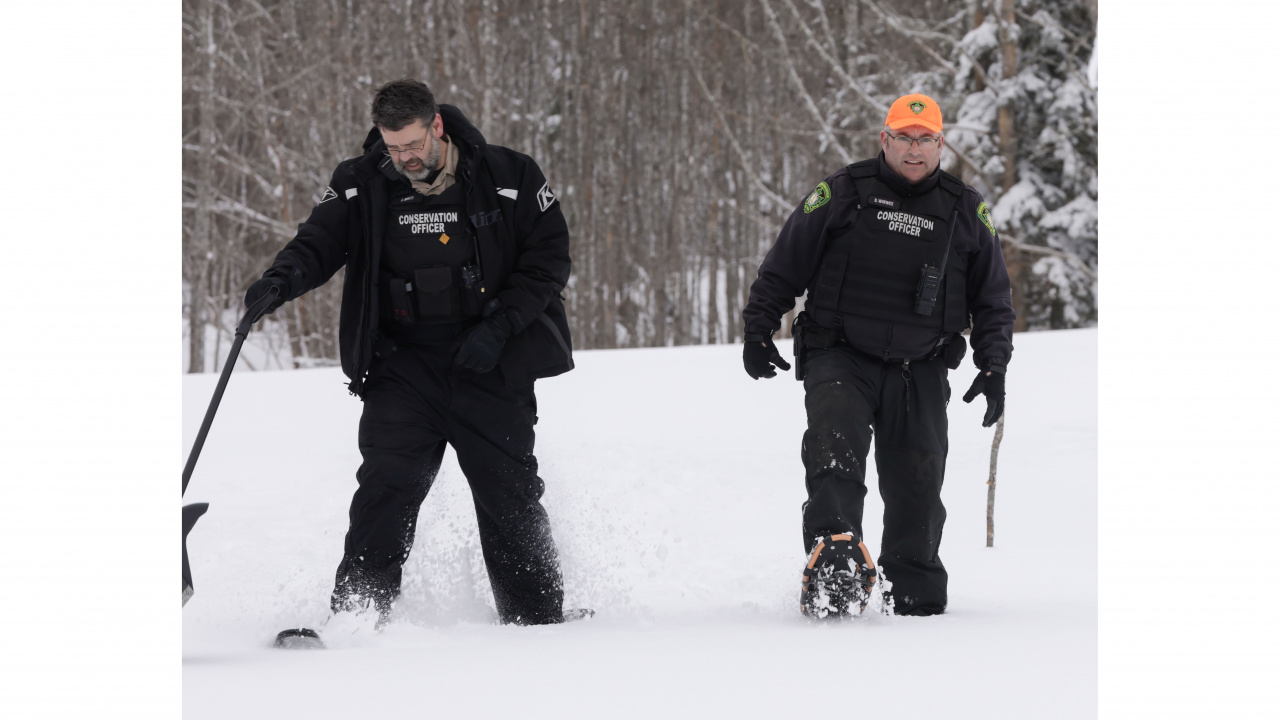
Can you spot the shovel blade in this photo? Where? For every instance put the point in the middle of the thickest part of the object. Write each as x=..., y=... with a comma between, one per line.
x=190, y=513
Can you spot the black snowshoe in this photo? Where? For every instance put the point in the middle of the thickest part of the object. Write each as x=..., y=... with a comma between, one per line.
x=299, y=639
x=308, y=639
x=838, y=580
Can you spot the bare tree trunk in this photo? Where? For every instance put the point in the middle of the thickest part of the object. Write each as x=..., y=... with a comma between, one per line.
x=201, y=235
x=991, y=482
x=979, y=17
x=1014, y=262
x=712, y=317
x=1009, y=70
x=1008, y=148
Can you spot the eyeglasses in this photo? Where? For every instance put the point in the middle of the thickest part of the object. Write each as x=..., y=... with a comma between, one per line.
x=904, y=142
x=408, y=148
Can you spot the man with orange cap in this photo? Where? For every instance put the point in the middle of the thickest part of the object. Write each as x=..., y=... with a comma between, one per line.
x=897, y=258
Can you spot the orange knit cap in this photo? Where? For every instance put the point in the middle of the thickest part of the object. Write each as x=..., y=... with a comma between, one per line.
x=914, y=109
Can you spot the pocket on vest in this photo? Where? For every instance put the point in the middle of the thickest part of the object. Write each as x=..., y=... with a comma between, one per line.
x=826, y=291
x=433, y=290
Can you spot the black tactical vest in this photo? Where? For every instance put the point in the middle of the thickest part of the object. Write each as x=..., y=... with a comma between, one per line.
x=428, y=259
x=874, y=269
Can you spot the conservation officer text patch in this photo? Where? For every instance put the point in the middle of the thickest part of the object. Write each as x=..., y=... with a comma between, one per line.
x=905, y=222
x=428, y=222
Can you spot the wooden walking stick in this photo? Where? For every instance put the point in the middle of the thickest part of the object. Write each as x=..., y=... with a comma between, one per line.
x=991, y=481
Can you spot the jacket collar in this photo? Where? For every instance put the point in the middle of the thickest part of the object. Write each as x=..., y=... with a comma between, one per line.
x=460, y=129
x=899, y=184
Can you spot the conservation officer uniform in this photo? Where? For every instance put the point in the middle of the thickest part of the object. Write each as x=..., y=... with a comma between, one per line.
x=893, y=272
x=481, y=250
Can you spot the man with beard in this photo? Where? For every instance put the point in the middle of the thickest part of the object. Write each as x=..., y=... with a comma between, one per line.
x=456, y=254
x=897, y=257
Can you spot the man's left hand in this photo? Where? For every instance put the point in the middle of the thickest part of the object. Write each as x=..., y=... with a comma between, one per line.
x=760, y=355
x=483, y=346
x=989, y=382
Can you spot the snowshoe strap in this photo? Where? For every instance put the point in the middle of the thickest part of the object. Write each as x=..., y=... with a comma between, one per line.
x=831, y=546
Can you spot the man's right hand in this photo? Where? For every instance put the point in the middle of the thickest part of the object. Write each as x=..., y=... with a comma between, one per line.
x=990, y=382
x=759, y=356
x=262, y=287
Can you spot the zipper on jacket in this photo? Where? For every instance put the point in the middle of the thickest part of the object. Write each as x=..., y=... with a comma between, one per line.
x=942, y=332
x=358, y=380
x=475, y=232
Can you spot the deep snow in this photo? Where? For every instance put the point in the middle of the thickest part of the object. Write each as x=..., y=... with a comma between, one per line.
x=674, y=486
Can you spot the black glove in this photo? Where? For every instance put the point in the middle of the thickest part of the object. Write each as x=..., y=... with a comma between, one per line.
x=483, y=345
x=262, y=287
x=759, y=355
x=990, y=382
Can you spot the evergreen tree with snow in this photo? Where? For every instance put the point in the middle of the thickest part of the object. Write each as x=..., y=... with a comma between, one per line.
x=1028, y=122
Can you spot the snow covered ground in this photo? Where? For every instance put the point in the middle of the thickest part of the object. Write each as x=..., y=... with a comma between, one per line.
x=674, y=486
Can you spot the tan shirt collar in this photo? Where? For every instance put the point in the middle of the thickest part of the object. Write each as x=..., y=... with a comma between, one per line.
x=444, y=178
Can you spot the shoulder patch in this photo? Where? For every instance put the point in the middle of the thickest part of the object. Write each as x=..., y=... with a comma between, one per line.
x=820, y=196
x=984, y=214
x=545, y=197
x=327, y=195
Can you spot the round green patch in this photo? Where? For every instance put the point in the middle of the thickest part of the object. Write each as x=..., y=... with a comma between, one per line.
x=917, y=107
x=819, y=197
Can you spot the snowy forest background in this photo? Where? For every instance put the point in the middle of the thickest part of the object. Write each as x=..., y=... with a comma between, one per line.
x=678, y=135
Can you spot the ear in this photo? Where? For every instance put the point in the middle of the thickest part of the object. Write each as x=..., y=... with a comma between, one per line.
x=437, y=126
x=884, y=141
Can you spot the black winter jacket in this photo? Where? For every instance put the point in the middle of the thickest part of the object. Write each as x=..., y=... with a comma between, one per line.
x=790, y=268
x=521, y=234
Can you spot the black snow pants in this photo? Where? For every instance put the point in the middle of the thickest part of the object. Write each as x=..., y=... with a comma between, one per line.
x=415, y=401
x=851, y=396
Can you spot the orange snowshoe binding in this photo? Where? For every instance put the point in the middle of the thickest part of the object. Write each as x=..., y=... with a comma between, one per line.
x=838, y=580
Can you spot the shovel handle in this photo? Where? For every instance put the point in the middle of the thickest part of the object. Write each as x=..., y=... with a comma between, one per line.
x=254, y=313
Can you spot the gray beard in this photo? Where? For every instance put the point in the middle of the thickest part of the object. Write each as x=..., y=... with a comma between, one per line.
x=428, y=166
